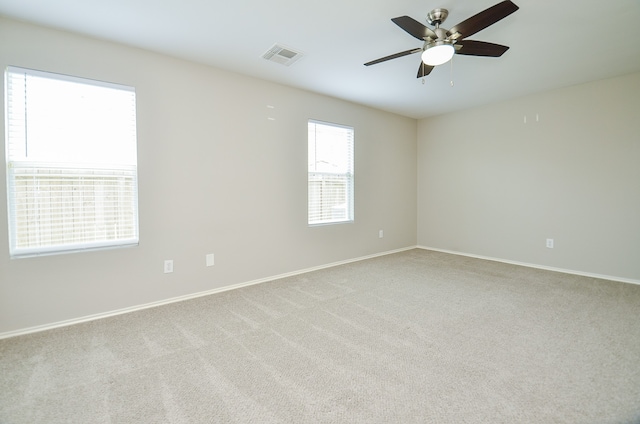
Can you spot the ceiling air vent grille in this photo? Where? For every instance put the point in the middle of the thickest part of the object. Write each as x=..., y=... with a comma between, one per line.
x=282, y=55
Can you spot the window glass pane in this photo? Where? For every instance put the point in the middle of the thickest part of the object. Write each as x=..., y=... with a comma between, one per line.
x=70, y=121
x=329, y=148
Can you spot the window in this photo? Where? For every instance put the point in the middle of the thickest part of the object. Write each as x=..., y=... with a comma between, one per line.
x=330, y=174
x=71, y=163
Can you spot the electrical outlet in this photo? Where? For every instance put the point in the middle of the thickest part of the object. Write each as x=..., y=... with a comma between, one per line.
x=550, y=243
x=210, y=261
x=380, y=234
x=168, y=266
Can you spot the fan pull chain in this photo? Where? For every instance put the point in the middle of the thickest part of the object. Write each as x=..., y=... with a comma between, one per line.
x=452, y=71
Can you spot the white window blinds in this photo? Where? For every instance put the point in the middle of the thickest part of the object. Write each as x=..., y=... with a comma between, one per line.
x=330, y=176
x=71, y=163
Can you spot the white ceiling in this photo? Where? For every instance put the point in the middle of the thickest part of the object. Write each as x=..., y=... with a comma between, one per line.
x=552, y=44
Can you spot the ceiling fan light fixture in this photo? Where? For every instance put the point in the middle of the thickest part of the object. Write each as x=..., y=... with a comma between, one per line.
x=438, y=53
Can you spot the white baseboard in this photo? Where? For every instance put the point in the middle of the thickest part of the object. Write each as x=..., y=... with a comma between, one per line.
x=548, y=268
x=93, y=317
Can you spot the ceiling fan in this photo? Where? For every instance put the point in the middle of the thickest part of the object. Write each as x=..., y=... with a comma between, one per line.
x=441, y=44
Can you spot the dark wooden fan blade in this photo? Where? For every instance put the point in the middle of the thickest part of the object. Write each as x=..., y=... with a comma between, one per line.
x=424, y=69
x=393, y=56
x=480, y=48
x=414, y=27
x=484, y=19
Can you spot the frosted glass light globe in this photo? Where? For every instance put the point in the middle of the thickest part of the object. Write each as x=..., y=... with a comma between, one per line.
x=438, y=54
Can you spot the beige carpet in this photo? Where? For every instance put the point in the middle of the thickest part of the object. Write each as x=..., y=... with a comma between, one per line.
x=413, y=337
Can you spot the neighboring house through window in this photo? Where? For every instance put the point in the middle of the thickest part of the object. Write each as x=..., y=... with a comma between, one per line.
x=71, y=163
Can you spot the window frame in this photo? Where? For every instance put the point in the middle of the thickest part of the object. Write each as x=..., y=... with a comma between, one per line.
x=46, y=173
x=349, y=176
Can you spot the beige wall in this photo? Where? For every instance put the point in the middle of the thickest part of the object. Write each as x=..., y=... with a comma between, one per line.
x=491, y=185
x=215, y=176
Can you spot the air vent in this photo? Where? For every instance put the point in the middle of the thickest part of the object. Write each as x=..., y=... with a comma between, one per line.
x=282, y=55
